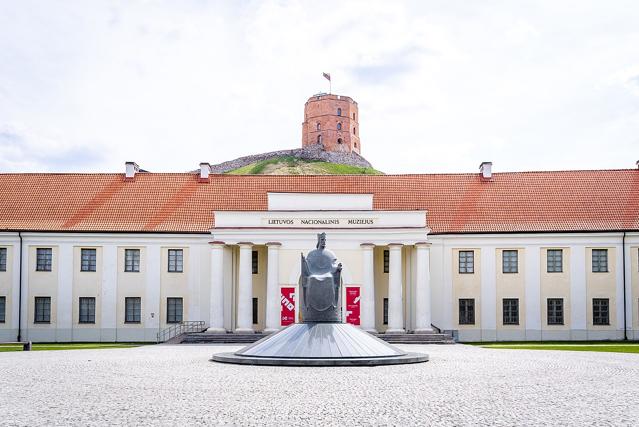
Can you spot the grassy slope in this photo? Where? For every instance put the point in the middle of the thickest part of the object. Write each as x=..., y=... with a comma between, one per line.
x=71, y=346
x=609, y=347
x=293, y=166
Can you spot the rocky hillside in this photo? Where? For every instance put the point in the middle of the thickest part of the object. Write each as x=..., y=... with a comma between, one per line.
x=288, y=165
x=310, y=160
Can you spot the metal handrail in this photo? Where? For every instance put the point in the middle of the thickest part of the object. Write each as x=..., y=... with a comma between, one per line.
x=180, y=328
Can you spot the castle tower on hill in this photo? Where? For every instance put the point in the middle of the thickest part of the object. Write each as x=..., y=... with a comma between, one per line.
x=331, y=120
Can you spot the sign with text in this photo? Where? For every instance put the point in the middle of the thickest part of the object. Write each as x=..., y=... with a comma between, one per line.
x=319, y=222
x=352, y=305
x=287, y=300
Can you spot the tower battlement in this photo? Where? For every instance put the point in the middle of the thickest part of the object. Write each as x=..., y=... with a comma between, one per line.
x=333, y=121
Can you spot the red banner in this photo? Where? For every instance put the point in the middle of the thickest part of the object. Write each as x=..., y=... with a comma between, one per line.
x=352, y=305
x=287, y=299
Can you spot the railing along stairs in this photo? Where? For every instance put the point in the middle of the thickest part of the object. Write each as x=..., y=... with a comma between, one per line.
x=180, y=328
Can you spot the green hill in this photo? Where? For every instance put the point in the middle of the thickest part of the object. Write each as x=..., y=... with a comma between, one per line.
x=294, y=166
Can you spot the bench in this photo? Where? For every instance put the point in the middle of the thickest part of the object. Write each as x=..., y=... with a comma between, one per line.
x=26, y=345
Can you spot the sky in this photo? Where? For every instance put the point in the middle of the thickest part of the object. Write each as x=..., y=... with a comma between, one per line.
x=441, y=85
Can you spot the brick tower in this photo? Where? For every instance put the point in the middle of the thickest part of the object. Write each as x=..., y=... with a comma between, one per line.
x=333, y=121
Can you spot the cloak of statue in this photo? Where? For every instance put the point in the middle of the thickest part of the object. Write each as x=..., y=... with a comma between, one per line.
x=321, y=279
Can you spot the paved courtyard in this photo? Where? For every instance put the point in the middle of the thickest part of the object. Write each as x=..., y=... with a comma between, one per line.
x=177, y=385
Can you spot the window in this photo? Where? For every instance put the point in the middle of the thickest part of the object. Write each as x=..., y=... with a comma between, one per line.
x=386, y=260
x=511, y=311
x=3, y=259
x=600, y=260
x=354, y=131
x=353, y=116
x=555, y=311
x=254, y=262
x=339, y=140
x=43, y=259
x=132, y=260
x=255, y=311
x=87, y=310
x=554, y=260
x=339, y=111
x=339, y=126
x=42, y=310
x=176, y=260
x=509, y=261
x=385, y=316
x=600, y=311
x=319, y=139
x=132, y=309
x=466, y=311
x=318, y=126
x=466, y=262
x=3, y=309
x=174, y=310
x=87, y=259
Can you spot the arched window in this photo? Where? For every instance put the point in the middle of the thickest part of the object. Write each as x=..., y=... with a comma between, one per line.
x=354, y=131
x=339, y=111
x=318, y=126
x=339, y=126
x=356, y=145
x=319, y=139
x=339, y=140
x=353, y=116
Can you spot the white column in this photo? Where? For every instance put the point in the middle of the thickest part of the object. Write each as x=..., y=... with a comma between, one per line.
x=273, y=288
x=216, y=323
x=367, y=308
x=395, y=291
x=245, y=290
x=422, y=289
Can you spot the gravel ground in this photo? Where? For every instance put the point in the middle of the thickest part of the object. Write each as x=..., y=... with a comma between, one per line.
x=177, y=385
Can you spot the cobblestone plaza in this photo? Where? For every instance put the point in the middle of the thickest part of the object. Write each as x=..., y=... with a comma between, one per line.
x=177, y=385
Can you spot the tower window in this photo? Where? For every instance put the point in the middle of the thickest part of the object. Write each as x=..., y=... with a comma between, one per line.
x=354, y=131
x=339, y=140
x=318, y=126
x=339, y=111
x=319, y=139
x=339, y=126
x=353, y=116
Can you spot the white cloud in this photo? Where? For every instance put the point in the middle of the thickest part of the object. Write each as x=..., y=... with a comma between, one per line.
x=441, y=86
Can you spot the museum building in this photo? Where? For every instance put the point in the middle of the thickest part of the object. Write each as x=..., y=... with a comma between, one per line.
x=484, y=256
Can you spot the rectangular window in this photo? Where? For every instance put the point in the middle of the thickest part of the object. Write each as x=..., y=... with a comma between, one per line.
x=132, y=260
x=555, y=311
x=176, y=260
x=466, y=262
x=88, y=257
x=510, y=311
x=42, y=312
x=174, y=312
x=255, y=314
x=386, y=260
x=87, y=310
x=600, y=311
x=385, y=316
x=600, y=260
x=3, y=259
x=3, y=309
x=43, y=259
x=132, y=310
x=254, y=261
x=509, y=261
x=466, y=311
x=554, y=260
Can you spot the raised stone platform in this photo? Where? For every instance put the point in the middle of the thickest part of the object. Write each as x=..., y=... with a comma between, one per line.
x=320, y=344
x=233, y=338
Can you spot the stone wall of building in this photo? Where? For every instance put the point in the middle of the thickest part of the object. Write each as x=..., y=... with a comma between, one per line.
x=333, y=121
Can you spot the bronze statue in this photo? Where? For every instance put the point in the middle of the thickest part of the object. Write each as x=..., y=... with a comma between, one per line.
x=321, y=280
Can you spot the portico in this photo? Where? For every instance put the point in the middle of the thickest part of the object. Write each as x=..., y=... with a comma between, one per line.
x=255, y=259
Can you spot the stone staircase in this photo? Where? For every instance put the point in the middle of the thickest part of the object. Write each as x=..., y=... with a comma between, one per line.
x=232, y=338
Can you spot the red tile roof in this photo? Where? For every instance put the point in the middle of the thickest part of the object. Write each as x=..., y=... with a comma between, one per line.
x=456, y=203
